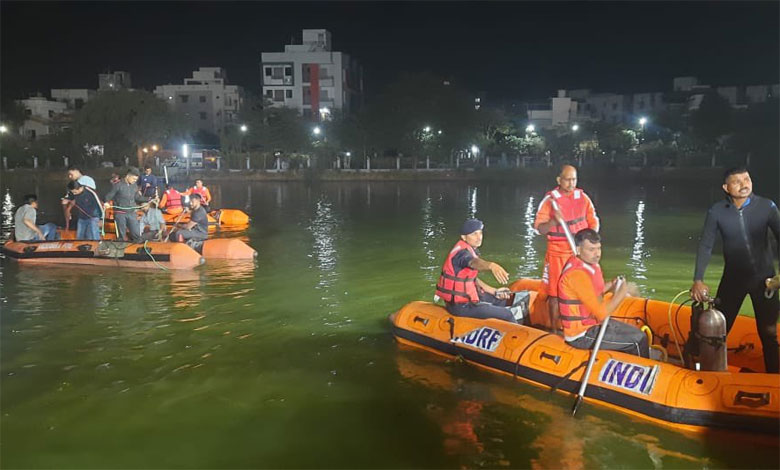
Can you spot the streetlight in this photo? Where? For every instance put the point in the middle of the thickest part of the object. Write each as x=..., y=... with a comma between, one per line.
x=145, y=150
x=575, y=128
x=185, y=150
x=244, y=128
x=642, y=122
x=427, y=129
x=317, y=130
x=154, y=148
x=474, y=149
x=530, y=128
x=3, y=129
x=439, y=132
x=349, y=154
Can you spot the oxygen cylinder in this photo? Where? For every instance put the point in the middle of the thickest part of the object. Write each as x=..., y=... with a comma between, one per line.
x=711, y=336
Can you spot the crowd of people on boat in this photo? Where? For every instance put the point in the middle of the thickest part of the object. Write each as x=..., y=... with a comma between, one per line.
x=129, y=193
x=574, y=291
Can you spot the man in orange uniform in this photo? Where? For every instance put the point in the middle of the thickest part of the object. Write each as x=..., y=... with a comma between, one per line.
x=205, y=194
x=458, y=286
x=580, y=294
x=572, y=205
x=171, y=200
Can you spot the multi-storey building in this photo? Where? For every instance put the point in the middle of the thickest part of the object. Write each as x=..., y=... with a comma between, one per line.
x=43, y=117
x=113, y=81
x=312, y=78
x=74, y=98
x=205, y=100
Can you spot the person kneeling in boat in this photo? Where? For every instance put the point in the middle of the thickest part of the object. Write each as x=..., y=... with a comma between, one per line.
x=464, y=294
x=197, y=229
x=152, y=222
x=583, y=308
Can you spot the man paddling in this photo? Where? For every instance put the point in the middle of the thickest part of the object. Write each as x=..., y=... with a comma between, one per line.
x=568, y=203
x=464, y=294
x=583, y=308
x=743, y=220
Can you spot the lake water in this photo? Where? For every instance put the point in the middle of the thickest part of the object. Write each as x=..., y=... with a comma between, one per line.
x=289, y=361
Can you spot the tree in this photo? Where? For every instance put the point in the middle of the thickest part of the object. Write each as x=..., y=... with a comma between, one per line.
x=713, y=119
x=125, y=121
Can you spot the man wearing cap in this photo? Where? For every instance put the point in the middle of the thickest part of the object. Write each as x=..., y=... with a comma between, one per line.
x=126, y=196
x=459, y=287
x=568, y=203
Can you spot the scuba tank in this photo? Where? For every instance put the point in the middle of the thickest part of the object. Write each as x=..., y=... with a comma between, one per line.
x=706, y=346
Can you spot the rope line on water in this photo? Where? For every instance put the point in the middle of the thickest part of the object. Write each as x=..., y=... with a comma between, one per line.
x=148, y=252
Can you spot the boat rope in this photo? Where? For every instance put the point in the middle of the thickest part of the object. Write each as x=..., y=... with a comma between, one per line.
x=149, y=253
x=671, y=326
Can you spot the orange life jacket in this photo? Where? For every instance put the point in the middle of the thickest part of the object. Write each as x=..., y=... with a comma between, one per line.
x=460, y=287
x=574, y=315
x=204, y=193
x=574, y=209
x=172, y=198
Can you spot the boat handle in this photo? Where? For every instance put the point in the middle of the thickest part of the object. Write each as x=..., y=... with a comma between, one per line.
x=29, y=249
x=552, y=357
x=422, y=320
x=752, y=399
x=84, y=247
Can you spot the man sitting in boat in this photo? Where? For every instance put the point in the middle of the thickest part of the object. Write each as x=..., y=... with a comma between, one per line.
x=152, y=222
x=197, y=228
x=171, y=200
x=459, y=287
x=581, y=290
x=203, y=192
x=25, y=228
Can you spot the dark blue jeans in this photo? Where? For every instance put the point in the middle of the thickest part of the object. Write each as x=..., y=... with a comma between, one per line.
x=618, y=337
x=488, y=307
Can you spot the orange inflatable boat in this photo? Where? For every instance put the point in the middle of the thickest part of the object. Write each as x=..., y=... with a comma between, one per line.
x=215, y=248
x=232, y=218
x=152, y=255
x=742, y=398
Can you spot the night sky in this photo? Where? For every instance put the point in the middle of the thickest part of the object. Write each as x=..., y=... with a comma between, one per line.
x=519, y=50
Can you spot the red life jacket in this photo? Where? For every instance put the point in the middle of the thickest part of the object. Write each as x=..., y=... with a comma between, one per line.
x=574, y=315
x=172, y=198
x=574, y=209
x=203, y=192
x=460, y=287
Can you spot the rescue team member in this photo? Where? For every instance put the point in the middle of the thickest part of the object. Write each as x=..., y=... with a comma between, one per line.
x=88, y=209
x=743, y=220
x=171, y=200
x=581, y=289
x=74, y=174
x=459, y=287
x=576, y=209
x=205, y=195
x=148, y=183
x=24, y=222
x=126, y=197
x=197, y=228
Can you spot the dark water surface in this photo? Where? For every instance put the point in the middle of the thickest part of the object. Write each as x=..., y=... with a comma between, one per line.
x=289, y=362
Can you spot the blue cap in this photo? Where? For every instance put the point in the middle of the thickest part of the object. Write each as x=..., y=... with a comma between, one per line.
x=471, y=226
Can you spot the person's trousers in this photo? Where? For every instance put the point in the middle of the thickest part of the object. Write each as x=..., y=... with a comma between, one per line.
x=49, y=232
x=488, y=306
x=88, y=229
x=127, y=221
x=618, y=337
x=190, y=235
x=732, y=291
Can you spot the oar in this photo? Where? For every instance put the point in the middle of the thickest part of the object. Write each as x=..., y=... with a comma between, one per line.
x=565, y=227
x=174, y=225
x=592, y=360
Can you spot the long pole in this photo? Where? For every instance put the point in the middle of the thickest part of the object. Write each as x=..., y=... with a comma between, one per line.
x=165, y=170
x=565, y=228
x=592, y=359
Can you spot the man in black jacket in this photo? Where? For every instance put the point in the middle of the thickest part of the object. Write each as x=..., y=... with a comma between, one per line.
x=743, y=220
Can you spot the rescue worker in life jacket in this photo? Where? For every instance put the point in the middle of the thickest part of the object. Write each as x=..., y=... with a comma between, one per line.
x=171, y=200
x=576, y=209
x=580, y=294
x=205, y=194
x=464, y=294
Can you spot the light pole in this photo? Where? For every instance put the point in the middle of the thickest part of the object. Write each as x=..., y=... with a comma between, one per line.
x=3, y=128
x=244, y=129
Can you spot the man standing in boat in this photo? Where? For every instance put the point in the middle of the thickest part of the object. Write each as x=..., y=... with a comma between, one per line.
x=570, y=204
x=464, y=294
x=581, y=290
x=743, y=220
x=126, y=197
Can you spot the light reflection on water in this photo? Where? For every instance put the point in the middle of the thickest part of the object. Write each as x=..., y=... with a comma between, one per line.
x=325, y=228
x=7, y=224
x=529, y=260
x=638, y=252
x=472, y=195
x=433, y=231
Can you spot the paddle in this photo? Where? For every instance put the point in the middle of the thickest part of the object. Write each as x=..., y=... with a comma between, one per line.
x=592, y=359
x=565, y=227
x=175, y=224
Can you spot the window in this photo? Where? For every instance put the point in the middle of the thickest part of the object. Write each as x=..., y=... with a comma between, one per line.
x=288, y=71
x=202, y=99
x=203, y=116
x=184, y=98
x=278, y=95
x=641, y=105
x=217, y=96
x=28, y=112
x=268, y=71
x=79, y=103
x=306, y=73
x=614, y=106
x=277, y=74
x=269, y=93
x=288, y=93
x=51, y=113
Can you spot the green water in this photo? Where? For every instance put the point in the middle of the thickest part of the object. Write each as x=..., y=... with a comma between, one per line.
x=289, y=362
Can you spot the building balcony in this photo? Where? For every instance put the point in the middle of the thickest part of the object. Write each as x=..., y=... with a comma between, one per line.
x=326, y=81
